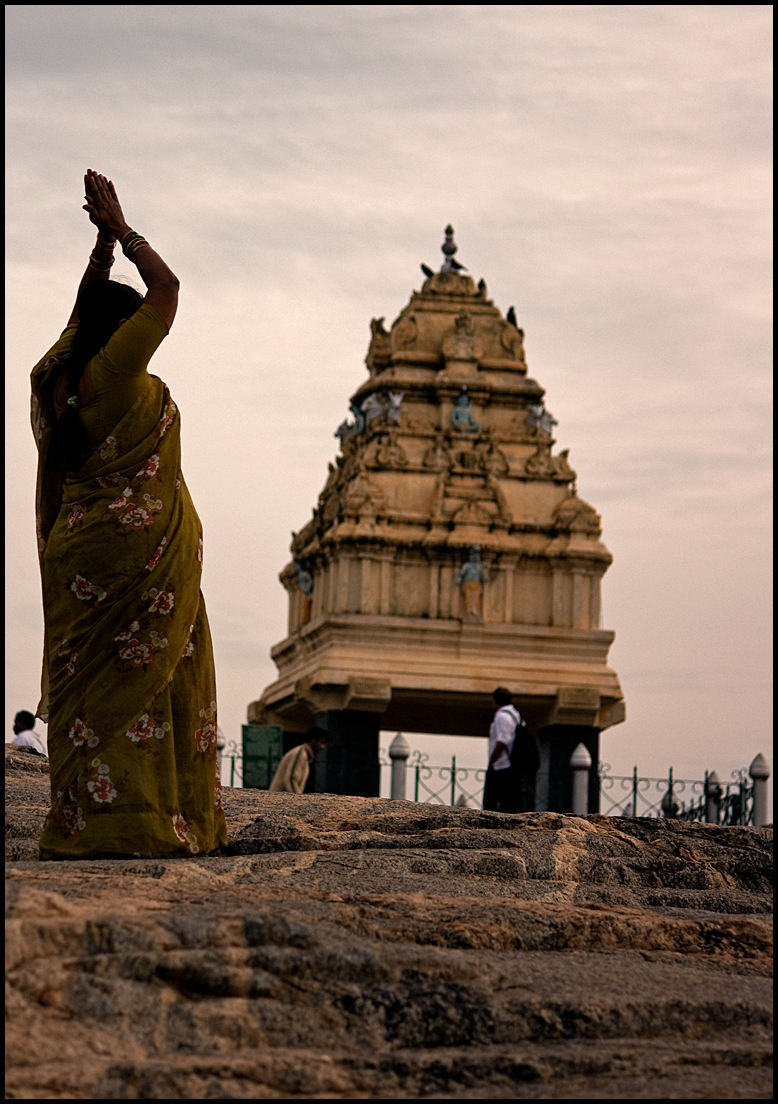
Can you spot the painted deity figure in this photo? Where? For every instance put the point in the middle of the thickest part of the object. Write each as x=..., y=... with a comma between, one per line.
x=304, y=580
x=305, y=584
x=471, y=580
x=462, y=415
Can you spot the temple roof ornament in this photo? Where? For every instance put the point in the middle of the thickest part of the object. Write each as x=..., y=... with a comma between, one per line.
x=449, y=248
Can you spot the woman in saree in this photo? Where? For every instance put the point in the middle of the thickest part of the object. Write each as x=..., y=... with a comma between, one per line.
x=128, y=685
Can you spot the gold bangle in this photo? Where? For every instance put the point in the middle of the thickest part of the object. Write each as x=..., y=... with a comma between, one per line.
x=131, y=243
x=106, y=245
x=101, y=266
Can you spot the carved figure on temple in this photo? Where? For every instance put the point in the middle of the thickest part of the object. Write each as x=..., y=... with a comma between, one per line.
x=471, y=580
x=437, y=457
x=541, y=462
x=493, y=459
x=539, y=418
x=390, y=453
x=459, y=344
x=395, y=401
x=304, y=580
x=563, y=469
x=512, y=340
x=462, y=415
x=405, y=332
x=348, y=429
x=545, y=466
x=305, y=584
x=372, y=407
x=379, y=353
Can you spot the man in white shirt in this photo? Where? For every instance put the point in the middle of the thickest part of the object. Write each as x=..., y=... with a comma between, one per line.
x=25, y=734
x=501, y=785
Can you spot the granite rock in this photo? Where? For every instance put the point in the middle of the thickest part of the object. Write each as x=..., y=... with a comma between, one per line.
x=356, y=947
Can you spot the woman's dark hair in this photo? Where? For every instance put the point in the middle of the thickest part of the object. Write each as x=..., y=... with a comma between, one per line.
x=101, y=307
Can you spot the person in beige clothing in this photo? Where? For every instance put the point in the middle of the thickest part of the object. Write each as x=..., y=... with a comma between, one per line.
x=292, y=772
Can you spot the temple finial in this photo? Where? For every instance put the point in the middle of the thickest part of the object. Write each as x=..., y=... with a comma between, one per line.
x=449, y=248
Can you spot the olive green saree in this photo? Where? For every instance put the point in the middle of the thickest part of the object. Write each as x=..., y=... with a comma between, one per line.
x=129, y=689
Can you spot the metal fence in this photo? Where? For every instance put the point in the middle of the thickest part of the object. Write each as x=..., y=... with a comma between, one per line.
x=443, y=785
x=231, y=765
x=679, y=798
x=620, y=795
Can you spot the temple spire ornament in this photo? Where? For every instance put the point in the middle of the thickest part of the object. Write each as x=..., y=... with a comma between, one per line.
x=449, y=248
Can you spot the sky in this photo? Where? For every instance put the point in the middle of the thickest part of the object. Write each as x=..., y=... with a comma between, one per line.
x=607, y=169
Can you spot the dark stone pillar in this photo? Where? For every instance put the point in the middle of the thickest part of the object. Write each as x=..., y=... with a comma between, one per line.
x=554, y=785
x=349, y=762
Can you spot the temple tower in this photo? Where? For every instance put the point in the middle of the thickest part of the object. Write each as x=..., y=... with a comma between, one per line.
x=448, y=553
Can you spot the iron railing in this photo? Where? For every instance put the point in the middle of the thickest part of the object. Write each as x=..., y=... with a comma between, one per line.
x=620, y=795
x=231, y=753
x=445, y=785
x=679, y=798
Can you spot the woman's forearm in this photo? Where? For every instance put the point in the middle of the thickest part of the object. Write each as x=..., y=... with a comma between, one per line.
x=98, y=268
x=154, y=272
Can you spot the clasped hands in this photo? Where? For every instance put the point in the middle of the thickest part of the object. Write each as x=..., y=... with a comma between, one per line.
x=102, y=205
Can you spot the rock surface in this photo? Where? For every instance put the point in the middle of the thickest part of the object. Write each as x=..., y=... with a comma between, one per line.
x=356, y=947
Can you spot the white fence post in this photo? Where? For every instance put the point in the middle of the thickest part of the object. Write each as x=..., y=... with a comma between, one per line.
x=712, y=798
x=399, y=750
x=760, y=772
x=580, y=761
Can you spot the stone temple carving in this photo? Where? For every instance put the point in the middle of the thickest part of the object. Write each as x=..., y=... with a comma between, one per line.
x=448, y=448
x=462, y=415
x=539, y=418
x=471, y=580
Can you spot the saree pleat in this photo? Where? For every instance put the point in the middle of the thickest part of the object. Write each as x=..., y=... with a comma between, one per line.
x=128, y=687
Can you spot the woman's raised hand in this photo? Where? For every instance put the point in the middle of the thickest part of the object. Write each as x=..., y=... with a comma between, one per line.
x=102, y=205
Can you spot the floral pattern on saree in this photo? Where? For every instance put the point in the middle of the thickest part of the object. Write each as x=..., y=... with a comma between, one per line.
x=162, y=601
x=76, y=515
x=72, y=814
x=185, y=833
x=157, y=555
x=136, y=652
x=73, y=654
x=144, y=728
x=120, y=549
x=100, y=785
x=84, y=590
x=205, y=737
x=80, y=734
